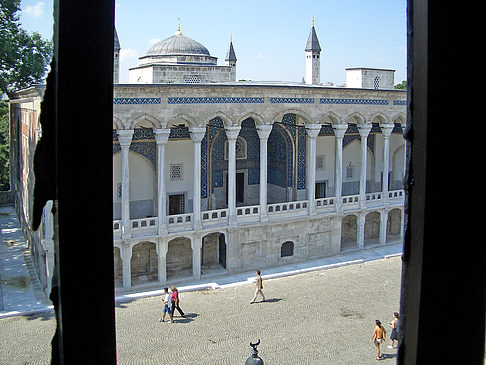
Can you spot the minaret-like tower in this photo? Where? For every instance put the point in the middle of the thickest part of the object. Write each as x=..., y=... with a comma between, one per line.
x=116, y=60
x=312, y=58
x=231, y=59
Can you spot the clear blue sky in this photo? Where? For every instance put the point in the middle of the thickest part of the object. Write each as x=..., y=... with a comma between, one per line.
x=269, y=36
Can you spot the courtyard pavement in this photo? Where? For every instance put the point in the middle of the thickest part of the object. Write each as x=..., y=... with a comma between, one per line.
x=318, y=312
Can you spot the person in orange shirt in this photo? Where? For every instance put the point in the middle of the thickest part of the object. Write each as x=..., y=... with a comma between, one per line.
x=378, y=336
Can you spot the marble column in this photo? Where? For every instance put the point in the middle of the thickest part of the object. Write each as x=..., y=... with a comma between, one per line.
x=126, y=257
x=312, y=131
x=383, y=226
x=196, y=245
x=361, y=229
x=161, y=137
x=386, y=130
x=197, y=134
x=364, y=131
x=263, y=132
x=162, y=248
x=125, y=139
x=232, y=135
x=339, y=131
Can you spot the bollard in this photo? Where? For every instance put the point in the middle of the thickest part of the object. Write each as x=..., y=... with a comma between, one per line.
x=254, y=359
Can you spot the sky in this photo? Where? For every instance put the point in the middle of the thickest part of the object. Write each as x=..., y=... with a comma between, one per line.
x=269, y=36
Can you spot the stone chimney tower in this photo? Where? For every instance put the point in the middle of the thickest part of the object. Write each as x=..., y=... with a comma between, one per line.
x=312, y=58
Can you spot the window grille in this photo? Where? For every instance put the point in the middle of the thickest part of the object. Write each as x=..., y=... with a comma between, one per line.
x=320, y=162
x=177, y=172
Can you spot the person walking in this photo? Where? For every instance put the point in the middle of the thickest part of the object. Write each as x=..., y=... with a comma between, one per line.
x=176, y=301
x=259, y=287
x=394, y=333
x=378, y=336
x=167, y=306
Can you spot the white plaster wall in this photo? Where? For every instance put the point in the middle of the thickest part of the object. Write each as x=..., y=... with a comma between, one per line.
x=142, y=180
x=352, y=154
x=180, y=151
x=354, y=78
x=140, y=76
x=326, y=145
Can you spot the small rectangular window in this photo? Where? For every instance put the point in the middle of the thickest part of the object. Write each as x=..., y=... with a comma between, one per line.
x=177, y=172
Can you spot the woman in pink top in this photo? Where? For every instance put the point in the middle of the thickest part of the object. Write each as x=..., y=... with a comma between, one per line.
x=175, y=301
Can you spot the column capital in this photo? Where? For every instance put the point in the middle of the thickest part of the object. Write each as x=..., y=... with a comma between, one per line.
x=264, y=131
x=125, y=137
x=232, y=132
x=364, y=129
x=386, y=129
x=313, y=130
x=161, y=136
x=340, y=129
x=197, y=133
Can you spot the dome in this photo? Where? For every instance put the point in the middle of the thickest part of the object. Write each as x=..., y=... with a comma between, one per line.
x=178, y=45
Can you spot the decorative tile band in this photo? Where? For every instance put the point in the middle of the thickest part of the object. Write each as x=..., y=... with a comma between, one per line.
x=291, y=100
x=130, y=101
x=354, y=101
x=399, y=102
x=211, y=100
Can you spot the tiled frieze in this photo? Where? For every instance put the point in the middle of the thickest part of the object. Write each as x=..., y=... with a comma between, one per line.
x=133, y=101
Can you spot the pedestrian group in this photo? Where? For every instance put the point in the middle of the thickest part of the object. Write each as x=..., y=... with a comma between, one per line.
x=379, y=335
x=171, y=302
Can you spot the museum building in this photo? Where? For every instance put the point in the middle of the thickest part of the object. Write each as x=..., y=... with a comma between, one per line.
x=215, y=176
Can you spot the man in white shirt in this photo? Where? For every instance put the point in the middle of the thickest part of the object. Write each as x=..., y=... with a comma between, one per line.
x=167, y=306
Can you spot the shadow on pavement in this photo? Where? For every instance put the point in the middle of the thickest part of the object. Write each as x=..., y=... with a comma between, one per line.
x=189, y=317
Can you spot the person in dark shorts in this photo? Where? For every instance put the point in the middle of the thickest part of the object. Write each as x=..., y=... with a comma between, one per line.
x=394, y=333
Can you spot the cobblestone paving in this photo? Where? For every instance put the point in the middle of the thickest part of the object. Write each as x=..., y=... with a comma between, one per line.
x=321, y=317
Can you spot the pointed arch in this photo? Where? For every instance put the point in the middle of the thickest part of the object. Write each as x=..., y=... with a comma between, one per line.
x=299, y=113
x=117, y=123
x=191, y=122
x=331, y=118
x=145, y=117
x=399, y=118
x=227, y=121
x=355, y=118
x=257, y=118
x=379, y=118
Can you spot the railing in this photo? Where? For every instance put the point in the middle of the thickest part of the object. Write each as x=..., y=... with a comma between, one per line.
x=323, y=203
x=287, y=209
x=178, y=222
x=220, y=217
x=144, y=226
x=248, y=214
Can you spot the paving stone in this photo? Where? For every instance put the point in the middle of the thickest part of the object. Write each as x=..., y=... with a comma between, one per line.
x=319, y=317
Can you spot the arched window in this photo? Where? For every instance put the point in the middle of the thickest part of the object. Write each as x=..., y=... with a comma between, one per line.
x=287, y=249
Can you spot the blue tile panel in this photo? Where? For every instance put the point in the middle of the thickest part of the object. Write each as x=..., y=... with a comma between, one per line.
x=131, y=101
x=215, y=100
x=354, y=101
x=291, y=100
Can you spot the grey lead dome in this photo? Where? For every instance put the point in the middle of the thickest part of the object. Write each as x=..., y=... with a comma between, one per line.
x=178, y=45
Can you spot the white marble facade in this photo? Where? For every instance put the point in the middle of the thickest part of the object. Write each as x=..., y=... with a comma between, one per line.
x=226, y=177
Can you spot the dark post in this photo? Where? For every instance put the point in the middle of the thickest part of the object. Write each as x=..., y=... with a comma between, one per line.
x=84, y=34
x=443, y=288
x=254, y=359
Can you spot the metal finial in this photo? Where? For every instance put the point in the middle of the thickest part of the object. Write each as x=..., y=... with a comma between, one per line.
x=178, y=32
x=312, y=21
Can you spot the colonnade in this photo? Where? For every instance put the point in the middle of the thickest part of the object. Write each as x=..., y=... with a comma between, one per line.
x=232, y=132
